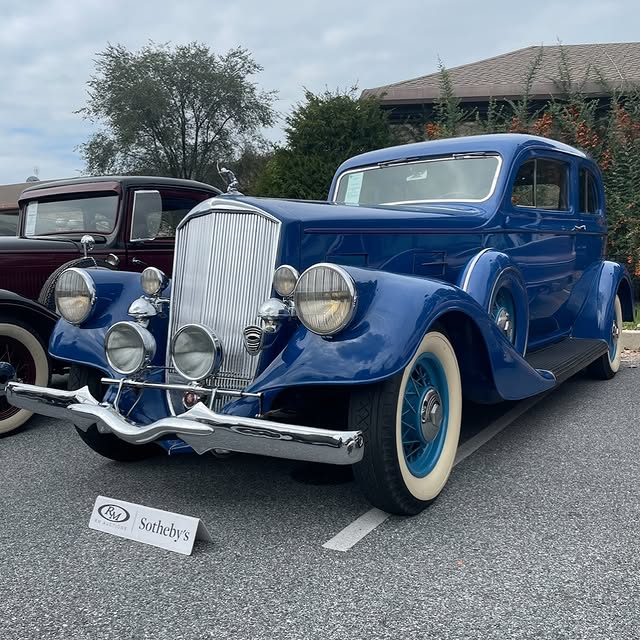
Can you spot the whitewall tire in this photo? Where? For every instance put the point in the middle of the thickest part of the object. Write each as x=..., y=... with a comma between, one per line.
x=22, y=348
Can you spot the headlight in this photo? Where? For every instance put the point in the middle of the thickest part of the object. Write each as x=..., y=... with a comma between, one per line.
x=285, y=279
x=75, y=295
x=196, y=352
x=325, y=299
x=153, y=281
x=129, y=347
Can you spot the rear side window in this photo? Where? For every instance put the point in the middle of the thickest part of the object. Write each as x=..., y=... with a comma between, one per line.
x=542, y=184
x=589, y=202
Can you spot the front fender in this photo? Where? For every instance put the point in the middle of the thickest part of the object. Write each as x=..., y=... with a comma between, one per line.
x=394, y=313
x=115, y=291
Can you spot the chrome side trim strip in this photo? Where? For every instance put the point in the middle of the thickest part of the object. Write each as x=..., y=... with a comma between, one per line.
x=470, y=268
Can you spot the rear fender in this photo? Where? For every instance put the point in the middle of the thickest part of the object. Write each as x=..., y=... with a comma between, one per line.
x=486, y=273
x=595, y=317
x=394, y=313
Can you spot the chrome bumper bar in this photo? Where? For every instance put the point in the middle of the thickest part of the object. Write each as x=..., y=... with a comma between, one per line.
x=200, y=427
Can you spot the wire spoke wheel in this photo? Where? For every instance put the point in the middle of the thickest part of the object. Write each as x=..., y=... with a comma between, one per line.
x=424, y=415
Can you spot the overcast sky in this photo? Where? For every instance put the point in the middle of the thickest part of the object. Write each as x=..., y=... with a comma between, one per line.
x=47, y=50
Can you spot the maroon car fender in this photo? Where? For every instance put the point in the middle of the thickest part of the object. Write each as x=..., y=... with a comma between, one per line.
x=33, y=314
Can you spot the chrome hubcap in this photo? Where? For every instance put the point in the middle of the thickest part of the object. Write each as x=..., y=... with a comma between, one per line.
x=503, y=320
x=431, y=415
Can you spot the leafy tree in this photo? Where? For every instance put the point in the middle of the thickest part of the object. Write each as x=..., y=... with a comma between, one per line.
x=321, y=132
x=172, y=111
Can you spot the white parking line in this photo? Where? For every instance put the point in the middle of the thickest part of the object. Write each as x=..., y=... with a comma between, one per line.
x=367, y=522
x=357, y=530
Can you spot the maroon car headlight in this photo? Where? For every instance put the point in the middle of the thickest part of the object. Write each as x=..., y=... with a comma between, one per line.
x=325, y=299
x=75, y=295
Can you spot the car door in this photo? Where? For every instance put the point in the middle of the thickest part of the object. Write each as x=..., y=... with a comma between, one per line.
x=154, y=214
x=541, y=223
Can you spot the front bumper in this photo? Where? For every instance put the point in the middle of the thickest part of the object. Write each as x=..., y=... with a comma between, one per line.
x=200, y=427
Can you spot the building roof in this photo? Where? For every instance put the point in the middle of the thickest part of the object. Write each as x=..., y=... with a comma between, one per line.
x=9, y=194
x=504, y=76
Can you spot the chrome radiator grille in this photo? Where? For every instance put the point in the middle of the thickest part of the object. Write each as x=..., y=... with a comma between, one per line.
x=223, y=270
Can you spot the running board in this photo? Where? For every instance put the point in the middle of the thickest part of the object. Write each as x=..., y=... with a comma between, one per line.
x=567, y=357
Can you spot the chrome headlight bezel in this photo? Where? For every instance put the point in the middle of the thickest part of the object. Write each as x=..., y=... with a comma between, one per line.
x=88, y=294
x=214, y=353
x=346, y=295
x=153, y=281
x=146, y=343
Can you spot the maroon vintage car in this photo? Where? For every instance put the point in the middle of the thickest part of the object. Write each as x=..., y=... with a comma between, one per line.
x=118, y=222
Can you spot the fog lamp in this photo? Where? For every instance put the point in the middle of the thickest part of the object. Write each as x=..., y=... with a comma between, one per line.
x=129, y=347
x=196, y=352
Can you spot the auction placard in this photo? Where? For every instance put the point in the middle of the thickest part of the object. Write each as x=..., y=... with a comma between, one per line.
x=171, y=531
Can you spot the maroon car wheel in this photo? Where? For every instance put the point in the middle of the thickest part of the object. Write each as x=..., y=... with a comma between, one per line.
x=21, y=348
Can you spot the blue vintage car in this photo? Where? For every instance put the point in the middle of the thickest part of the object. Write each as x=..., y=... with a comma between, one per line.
x=348, y=332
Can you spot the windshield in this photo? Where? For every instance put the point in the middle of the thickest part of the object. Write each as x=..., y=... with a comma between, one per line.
x=460, y=178
x=94, y=214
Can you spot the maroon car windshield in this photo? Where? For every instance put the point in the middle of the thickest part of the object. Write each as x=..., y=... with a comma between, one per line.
x=94, y=214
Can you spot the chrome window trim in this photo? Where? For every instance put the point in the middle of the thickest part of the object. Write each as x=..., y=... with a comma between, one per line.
x=492, y=190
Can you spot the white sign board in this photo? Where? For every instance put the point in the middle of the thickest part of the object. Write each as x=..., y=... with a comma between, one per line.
x=163, y=529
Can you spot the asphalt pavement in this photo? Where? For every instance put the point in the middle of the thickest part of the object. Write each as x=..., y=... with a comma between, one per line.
x=535, y=536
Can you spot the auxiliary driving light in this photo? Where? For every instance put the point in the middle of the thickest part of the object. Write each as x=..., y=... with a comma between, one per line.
x=153, y=281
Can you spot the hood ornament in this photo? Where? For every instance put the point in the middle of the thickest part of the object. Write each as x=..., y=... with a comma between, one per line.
x=230, y=178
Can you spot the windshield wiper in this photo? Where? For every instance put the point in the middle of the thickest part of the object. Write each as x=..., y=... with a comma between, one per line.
x=389, y=163
x=474, y=154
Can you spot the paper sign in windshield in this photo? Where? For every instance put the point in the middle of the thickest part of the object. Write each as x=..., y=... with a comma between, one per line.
x=30, y=222
x=354, y=186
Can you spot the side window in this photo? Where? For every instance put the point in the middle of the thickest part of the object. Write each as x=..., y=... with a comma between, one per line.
x=157, y=213
x=588, y=192
x=543, y=184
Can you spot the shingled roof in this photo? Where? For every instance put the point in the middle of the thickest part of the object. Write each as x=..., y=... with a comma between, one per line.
x=9, y=194
x=503, y=76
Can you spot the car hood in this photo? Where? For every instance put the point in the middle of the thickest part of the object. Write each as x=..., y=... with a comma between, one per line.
x=35, y=245
x=318, y=215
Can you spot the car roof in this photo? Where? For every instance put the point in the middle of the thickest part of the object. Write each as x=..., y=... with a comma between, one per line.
x=506, y=144
x=123, y=181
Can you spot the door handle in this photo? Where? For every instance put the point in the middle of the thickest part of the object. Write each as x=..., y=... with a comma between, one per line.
x=580, y=227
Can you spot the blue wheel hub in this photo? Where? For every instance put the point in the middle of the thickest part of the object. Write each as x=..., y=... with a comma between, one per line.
x=503, y=313
x=425, y=408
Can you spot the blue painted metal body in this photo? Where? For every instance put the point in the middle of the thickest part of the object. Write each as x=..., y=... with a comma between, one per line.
x=415, y=267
